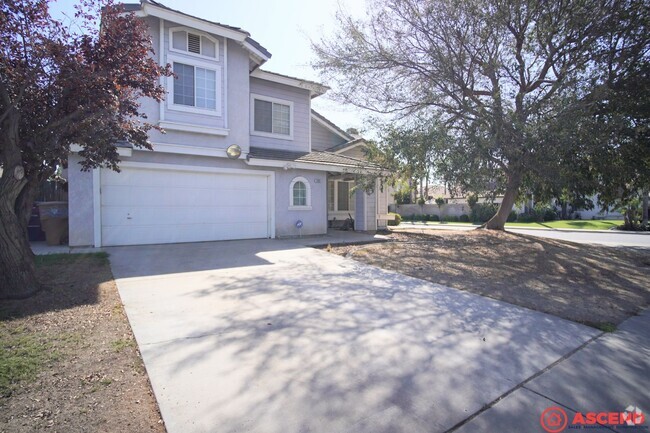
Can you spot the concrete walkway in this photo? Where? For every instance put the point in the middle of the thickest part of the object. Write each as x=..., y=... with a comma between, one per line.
x=609, y=374
x=269, y=336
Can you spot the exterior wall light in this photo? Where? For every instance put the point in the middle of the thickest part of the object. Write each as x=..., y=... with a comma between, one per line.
x=233, y=151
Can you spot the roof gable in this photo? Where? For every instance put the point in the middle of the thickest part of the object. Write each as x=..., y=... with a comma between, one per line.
x=157, y=9
x=330, y=125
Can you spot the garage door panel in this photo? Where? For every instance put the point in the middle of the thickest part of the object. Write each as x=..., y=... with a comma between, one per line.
x=142, y=235
x=129, y=216
x=145, y=206
x=124, y=195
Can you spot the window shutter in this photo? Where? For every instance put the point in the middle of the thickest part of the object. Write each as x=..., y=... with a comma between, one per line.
x=193, y=43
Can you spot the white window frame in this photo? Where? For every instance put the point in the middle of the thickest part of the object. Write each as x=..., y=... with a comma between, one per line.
x=308, y=192
x=255, y=96
x=351, y=198
x=218, y=88
x=172, y=30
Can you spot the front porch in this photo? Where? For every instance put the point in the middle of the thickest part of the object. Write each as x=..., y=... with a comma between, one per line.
x=343, y=202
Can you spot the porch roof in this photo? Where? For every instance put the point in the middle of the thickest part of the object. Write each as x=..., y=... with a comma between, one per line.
x=316, y=158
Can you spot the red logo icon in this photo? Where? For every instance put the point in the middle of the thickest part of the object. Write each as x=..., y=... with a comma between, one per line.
x=554, y=419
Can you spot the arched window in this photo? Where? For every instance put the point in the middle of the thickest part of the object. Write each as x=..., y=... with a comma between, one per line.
x=300, y=194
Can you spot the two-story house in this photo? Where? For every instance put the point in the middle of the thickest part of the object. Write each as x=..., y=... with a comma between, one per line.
x=243, y=155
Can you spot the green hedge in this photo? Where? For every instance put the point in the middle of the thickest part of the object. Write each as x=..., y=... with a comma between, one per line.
x=396, y=221
x=482, y=212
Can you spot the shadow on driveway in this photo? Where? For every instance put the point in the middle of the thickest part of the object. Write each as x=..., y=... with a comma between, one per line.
x=302, y=340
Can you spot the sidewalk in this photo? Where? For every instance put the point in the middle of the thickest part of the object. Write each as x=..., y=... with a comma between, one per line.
x=608, y=374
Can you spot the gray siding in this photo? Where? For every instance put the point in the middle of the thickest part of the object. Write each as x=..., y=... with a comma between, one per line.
x=172, y=115
x=360, y=221
x=371, y=211
x=301, y=115
x=235, y=90
x=356, y=152
x=322, y=138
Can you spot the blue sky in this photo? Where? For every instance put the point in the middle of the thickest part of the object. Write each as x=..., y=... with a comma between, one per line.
x=284, y=27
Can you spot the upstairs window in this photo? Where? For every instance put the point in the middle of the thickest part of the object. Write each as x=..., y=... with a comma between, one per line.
x=195, y=86
x=188, y=42
x=272, y=117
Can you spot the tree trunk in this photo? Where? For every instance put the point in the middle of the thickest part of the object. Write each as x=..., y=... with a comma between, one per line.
x=17, y=268
x=498, y=221
x=25, y=200
x=646, y=198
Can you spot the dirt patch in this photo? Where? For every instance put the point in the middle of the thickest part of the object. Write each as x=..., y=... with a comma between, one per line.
x=584, y=283
x=73, y=349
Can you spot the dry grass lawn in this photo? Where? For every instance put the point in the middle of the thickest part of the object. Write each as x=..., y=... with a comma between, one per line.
x=584, y=283
x=68, y=360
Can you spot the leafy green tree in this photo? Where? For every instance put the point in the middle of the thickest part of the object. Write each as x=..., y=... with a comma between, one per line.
x=500, y=74
x=59, y=88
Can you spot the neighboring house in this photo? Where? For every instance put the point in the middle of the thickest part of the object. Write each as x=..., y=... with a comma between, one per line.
x=243, y=156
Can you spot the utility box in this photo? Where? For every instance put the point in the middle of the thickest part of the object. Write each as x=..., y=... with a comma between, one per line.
x=54, y=221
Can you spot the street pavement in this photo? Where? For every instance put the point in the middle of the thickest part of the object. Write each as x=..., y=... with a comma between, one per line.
x=608, y=238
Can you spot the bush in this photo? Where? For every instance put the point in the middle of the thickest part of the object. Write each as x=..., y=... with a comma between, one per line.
x=548, y=213
x=450, y=219
x=421, y=201
x=472, y=199
x=538, y=215
x=464, y=218
x=434, y=217
x=512, y=217
x=482, y=212
x=396, y=221
x=530, y=217
x=440, y=201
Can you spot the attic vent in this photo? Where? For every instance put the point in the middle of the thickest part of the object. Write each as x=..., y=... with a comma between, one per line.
x=193, y=43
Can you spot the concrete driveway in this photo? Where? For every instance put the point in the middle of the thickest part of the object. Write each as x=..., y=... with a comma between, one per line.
x=269, y=336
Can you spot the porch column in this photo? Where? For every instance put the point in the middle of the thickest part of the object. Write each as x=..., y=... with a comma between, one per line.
x=360, y=220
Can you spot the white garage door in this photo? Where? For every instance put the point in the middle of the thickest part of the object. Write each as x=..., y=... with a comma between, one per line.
x=154, y=206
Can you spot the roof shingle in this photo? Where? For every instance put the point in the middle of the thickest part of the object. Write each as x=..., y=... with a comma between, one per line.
x=317, y=157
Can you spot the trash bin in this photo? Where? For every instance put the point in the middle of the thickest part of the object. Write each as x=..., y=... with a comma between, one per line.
x=54, y=221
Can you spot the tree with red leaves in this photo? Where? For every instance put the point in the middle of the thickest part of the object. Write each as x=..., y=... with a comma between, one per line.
x=59, y=88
